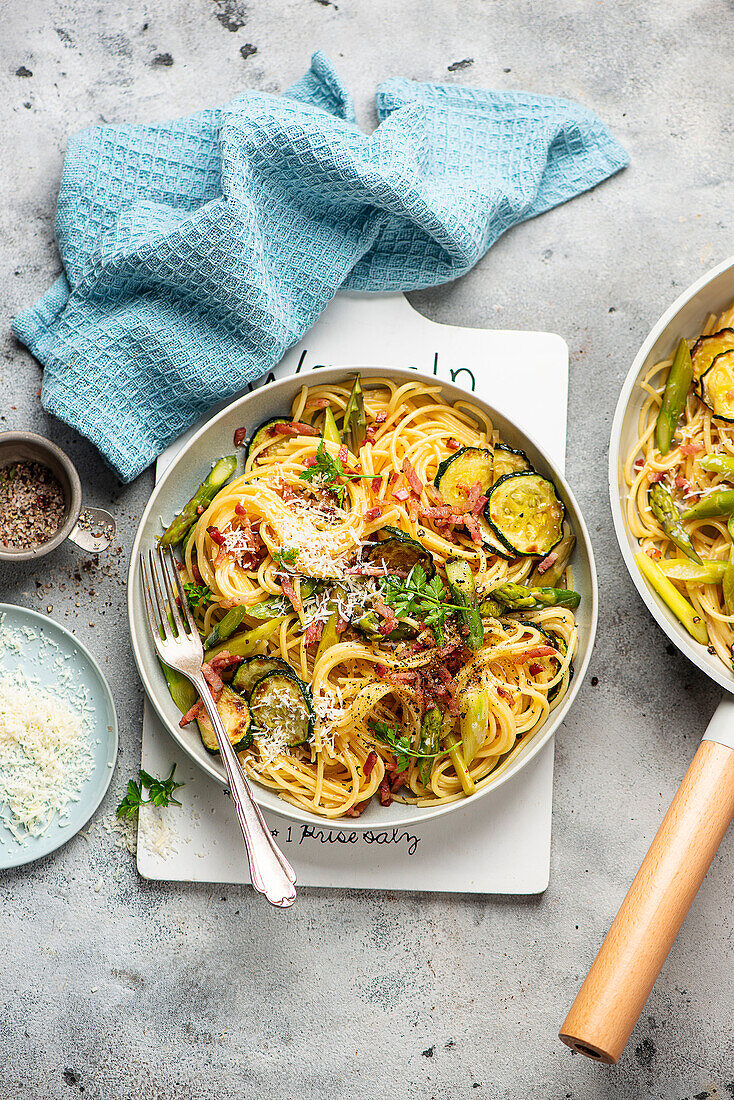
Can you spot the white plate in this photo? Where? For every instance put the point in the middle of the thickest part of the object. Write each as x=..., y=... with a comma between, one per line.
x=190, y=467
x=712, y=293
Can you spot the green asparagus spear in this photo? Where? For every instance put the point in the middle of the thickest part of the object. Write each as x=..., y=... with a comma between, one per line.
x=429, y=742
x=681, y=608
x=708, y=572
x=474, y=722
x=720, y=503
x=182, y=690
x=248, y=642
x=727, y=584
x=461, y=583
x=355, y=420
x=219, y=475
x=468, y=784
x=665, y=512
x=330, y=432
x=718, y=464
x=226, y=626
x=517, y=597
x=490, y=609
x=554, y=573
x=329, y=635
x=674, y=398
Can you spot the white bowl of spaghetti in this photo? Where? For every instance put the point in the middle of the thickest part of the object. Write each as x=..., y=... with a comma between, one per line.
x=387, y=648
x=670, y=472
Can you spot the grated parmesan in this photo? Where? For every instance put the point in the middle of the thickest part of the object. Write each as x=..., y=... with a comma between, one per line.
x=45, y=755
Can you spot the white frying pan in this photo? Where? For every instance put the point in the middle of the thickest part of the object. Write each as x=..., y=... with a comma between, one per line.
x=624, y=972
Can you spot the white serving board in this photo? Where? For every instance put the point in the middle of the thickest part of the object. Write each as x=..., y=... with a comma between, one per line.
x=499, y=844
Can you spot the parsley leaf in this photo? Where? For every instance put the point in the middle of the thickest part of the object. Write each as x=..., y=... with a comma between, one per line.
x=327, y=472
x=418, y=598
x=197, y=594
x=287, y=555
x=400, y=745
x=161, y=793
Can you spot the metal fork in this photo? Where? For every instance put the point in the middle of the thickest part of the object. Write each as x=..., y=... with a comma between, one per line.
x=178, y=644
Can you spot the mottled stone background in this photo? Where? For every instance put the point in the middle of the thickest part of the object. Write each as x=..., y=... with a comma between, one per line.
x=142, y=990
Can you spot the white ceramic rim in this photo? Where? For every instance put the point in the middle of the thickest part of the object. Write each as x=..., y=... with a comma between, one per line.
x=414, y=815
x=628, y=399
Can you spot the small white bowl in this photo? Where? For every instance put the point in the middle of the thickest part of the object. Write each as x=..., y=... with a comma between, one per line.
x=190, y=467
x=712, y=293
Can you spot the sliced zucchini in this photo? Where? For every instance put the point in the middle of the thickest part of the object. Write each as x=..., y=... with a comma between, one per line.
x=398, y=551
x=235, y=715
x=507, y=460
x=249, y=672
x=467, y=467
x=264, y=433
x=525, y=513
x=706, y=348
x=717, y=386
x=281, y=710
x=463, y=589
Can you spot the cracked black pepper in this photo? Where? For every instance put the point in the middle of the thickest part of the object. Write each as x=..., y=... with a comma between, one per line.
x=32, y=505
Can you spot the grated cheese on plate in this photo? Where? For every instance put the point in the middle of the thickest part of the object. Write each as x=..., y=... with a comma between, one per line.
x=45, y=756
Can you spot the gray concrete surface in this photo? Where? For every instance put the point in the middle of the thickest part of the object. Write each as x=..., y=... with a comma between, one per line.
x=144, y=990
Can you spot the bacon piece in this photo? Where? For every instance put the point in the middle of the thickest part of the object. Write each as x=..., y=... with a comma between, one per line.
x=639, y=463
x=385, y=612
x=314, y=631
x=192, y=713
x=381, y=417
x=195, y=570
x=401, y=494
x=287, y=493
x=504, y=694
x=358, y=808
x=240, y=509
x=538, y=651
x=654, y=553
x=312, y=461
x=534, y=668
x=215, y=535
x=225, y=659
x=343, y=454
x=239, y=437
x=452, y=445
x=414, y=505
x=399, y=781
x=381, y=670
x=213, y=679
x=472, y=525
x=317, y=403
x=376, y=484
x=413, y=480
x=682, y=483
x=657, y=477
x=288, y=590
x=369, y=763
x=479, y=505
x=385, y=795
x=691, y=448
x=295, y=427
x=473, y=495
x=370, y=434
x=547, y=562
x=373, y=513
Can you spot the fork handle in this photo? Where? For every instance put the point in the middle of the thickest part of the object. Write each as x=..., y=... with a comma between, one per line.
x=271, y=873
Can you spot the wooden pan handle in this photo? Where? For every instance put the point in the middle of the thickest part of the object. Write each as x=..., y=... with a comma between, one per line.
x=611, y=999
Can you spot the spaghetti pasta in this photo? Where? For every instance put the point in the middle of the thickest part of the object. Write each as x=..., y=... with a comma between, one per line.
x=322, y=547
x=691, y=548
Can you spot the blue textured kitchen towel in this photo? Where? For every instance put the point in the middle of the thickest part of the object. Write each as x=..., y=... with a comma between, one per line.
x=197, y=251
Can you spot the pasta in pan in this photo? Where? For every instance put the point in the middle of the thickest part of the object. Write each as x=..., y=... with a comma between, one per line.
x=385, y=595
x=680, y=475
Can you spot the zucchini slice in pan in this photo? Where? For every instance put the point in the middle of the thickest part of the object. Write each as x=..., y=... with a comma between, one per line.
x=281, y=709
x=398, y=551
x=706, y=348
x=717, y=386
x=263, y=433
x=466, y=467
x=249, y=672
x=507, y=460
x=525, y=513
x=235, y=714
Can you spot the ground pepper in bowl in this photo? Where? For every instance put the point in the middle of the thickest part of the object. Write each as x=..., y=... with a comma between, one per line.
x=32, y=505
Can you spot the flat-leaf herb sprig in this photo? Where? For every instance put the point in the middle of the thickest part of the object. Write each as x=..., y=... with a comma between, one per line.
x=399, y=745
x=197, y=594
x=327, y=471
x=415, y=597
x=161, y=792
